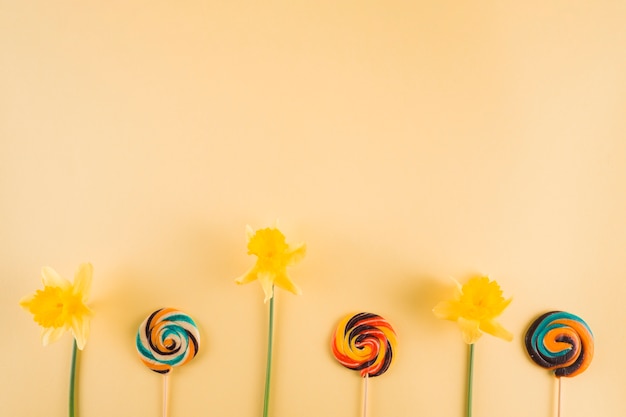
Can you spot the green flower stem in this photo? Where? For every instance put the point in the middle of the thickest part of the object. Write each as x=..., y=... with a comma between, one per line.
x=73, y=378
x=470, y=377
x=268, y=369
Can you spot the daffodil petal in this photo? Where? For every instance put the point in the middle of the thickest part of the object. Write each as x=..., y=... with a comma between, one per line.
x=297, y=254
x=50, y=278
x=470, y=330
x=51, y=334
x=249, y=233
x=496, y=329
x=283, y=281
x=25, y=302
x=459, y=286
x=80, y=330
x=447, y=310
x=498, y=309
x=249, y=276
x=267, y=283
x=82, y=280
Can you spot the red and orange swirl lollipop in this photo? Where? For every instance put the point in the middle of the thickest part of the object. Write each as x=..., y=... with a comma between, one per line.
x=364, y=342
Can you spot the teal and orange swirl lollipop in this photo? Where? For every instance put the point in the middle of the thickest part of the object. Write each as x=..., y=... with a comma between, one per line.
x=560, y=342
x=165, y=339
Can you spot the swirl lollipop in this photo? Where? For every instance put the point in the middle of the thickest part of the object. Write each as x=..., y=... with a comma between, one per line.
x=364, y=342
x=560, y=342
x=167, y=338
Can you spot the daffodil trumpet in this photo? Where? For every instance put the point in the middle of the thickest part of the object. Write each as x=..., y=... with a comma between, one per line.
x=62, y=306
x=274, y=255
x=474, y=308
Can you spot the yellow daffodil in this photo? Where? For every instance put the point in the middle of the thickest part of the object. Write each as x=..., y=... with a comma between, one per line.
x=60, y=306
x=274, y=256
x=475, y=307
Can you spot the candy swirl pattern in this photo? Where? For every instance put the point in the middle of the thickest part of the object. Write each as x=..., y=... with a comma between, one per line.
x=167, y=338
x=561, y=342
x=364, y=342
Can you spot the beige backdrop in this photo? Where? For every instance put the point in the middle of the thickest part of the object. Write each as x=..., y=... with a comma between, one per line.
x=406, y=142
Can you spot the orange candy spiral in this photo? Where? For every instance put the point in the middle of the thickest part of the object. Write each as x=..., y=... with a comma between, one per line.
x=167, y=338
x=561, y=342
x=364, y=342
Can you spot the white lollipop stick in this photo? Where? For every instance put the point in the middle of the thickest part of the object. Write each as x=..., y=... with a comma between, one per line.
x=558, y=398
x=165, y=393
x=365, y=395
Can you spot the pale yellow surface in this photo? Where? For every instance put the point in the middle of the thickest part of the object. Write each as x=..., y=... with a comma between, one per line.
x=406, y=142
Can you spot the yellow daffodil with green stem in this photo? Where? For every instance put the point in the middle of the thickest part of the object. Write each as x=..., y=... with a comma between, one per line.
x=62, y=306
x=475, y=307
x=274, y=255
